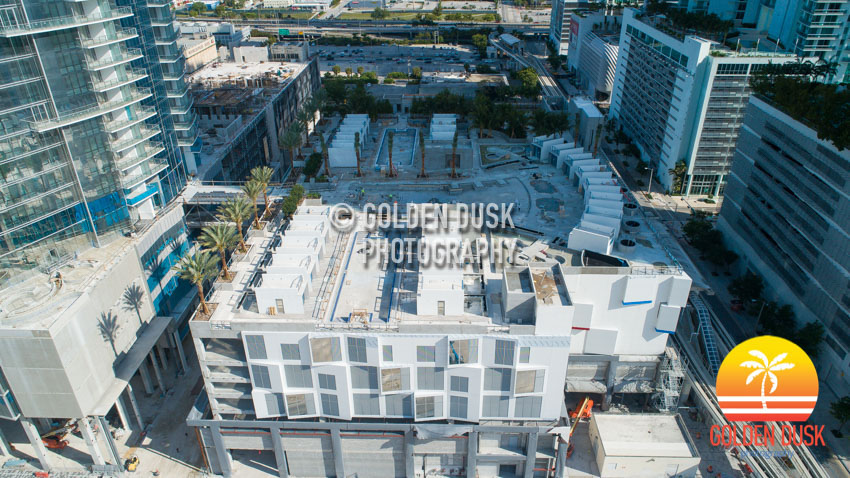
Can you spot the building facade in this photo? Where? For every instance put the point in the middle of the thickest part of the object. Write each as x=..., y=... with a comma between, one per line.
x=786, y=213
x=592, y=53
x=682, y=99
x=559, y=24
x=454, y=371
x=89, y=146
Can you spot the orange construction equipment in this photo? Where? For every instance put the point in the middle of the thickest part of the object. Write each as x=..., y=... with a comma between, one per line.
x=54, y=443
x=583, y=410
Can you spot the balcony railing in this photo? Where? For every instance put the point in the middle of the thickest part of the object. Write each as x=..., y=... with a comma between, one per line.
x=148, y=170
x=180, y=92
x=144, y=134
x=133, y=76
x=82, y=114
x=159, y=3
x=125, y=55
x=140, y=114
x=61, y=23
x=183, y=107
x=167, y=38
x=169, y=76
x=103, y=40
x=162, y=21
x=143, y=154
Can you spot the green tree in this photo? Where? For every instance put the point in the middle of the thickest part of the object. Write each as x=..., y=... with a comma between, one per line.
x=678, y=172
x=747, y=287
x=422, y=150
x=480, y=42
x=809, y=338
x=840, y=410
x=417, y=72
x=325, y=155
x=311, y=167
x=390, y=136
x=220, y=10
x=360, y=70
x=197, y=8
x=357, y=152
x=517, y=124
x=348, y=71
x=336, y=69
x=529, y=79
x=380, y=14
x=219, y=237
x=236, y=210
x=263, y=175
x=252, y=191
x=454, y=154
x=289, y=206
x=197, y=269
x=290, y=140
x=482, y=111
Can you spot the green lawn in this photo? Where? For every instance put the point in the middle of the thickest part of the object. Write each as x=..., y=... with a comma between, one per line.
x=368, y=16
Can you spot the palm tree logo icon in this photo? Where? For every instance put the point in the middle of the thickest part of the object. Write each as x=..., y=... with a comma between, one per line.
x=766, y=370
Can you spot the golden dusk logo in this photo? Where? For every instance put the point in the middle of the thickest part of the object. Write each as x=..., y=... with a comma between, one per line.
x=767, y=378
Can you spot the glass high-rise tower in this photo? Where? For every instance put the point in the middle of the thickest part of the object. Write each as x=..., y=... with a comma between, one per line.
x=94, y=123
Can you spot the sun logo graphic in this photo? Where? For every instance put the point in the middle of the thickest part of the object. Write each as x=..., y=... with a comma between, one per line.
x=767, y=379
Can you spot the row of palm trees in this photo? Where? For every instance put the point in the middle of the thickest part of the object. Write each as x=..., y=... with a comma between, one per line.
x=297, y=133
x=226, y=235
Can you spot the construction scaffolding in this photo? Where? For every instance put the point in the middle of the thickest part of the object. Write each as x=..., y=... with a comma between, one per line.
x=671, y=375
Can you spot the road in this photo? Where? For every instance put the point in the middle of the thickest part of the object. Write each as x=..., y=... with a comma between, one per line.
x=335, y=11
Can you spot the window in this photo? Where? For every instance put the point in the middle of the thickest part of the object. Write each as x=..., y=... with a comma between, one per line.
x=279, y=306
x=497, y=379
x=261, y=376
x=457, y=407
x=429, y=407
x=463, y=351
x=529, y=381
x=429, y=378
x=441, y=307
x=528, y=407
x=327, y=382
x=395, y=379
x=459, y=384
x=367, y=404
x=290, y=352
x=298, y=376
x=495, y=406
x=504, y=352
x=325, y=349
x=388, y=353
x=274, y=404
x=256, y=347
x=364, y=377
x=301, y=404
x=356, y=349
x=524, y=354
x=426, y=353
x=399, y=405
x=330, y=404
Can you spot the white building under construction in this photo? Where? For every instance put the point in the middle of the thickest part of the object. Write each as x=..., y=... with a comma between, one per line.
x=341, y=363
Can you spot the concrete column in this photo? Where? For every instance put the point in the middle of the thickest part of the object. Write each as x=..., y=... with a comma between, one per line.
x=339, y=463
x=122, y=413
x=146, y=378
x=135, y=406
x=91, y=441
x=408, y=453
x=223, y=456
x=530, y=455
x=110, y=442
x=472, y=455
x=609, y=381
x=175, y=336
x=37, y=444
x=687, y=385
x=163, y=359
x=279, y=455
x=156, y=372
x=5, y=447
x=561, y=458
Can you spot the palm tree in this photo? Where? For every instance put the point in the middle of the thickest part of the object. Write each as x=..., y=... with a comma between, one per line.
x=454, y=153
x=236, y=210
x=263, y=175
x=360, y=71
x=348, y=71
x=597, y=138
x=290, y=140
x=390, y=136
x=766, y=368
x=220, y=237
x=304, y=119
x=252, y=190
x=357, y=151
x=196, y=269
x=325, y=155
x=678, y=172
x=108, y=327
x=578, y=127
x=422, y=149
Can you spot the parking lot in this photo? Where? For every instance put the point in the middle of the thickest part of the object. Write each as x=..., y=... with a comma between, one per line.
x=385, y=59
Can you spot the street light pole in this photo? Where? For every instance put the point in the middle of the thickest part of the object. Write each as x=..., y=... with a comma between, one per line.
x=649, y=188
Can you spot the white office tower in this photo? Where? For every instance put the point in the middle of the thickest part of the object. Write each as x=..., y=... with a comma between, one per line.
x=682, y=97
x=345, y=354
